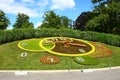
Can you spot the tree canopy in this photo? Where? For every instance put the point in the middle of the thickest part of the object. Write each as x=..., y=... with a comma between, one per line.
x=22, y=21
x=4, y=21
x=52, y=20
x=105, y=17
x=82, y=20
x=66, y=22
x=108, y=20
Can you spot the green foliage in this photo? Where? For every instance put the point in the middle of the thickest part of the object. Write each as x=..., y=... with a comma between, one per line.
x=22, y=21
x=52, y=20
x=97, y=23
x=96, y=1
x=66, y=22
x=82, y=19
x=109, y=19
x=16, y=34
x=4, y=21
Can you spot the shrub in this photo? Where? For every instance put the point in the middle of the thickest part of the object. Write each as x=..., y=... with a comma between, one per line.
x=19, y=34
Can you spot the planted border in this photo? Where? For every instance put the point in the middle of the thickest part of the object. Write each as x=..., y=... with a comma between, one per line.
x=19, y=34
x=101, y=50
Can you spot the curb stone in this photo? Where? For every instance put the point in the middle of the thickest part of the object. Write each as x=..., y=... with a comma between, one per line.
x=50, y=71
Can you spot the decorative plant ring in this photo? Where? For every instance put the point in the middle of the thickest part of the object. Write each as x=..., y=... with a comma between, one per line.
x=33, y=45
x=86, y=60
x=65, y=46
x=50, y=60
x=101, y=50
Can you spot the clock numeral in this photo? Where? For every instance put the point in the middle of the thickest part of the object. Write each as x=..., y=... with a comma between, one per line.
x=51, y=60
x=82, y=50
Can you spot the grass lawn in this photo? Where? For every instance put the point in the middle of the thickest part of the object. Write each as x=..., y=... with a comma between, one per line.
x=10, y=59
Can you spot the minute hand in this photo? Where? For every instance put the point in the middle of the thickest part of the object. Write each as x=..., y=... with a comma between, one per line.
x=75, y=44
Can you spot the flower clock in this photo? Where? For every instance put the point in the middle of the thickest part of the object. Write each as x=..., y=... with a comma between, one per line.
x=65, y=46
x=82, y=51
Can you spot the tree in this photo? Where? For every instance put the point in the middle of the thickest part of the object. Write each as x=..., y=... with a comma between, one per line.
x=22, y=21
x=4, y=21
x=52, y=20
x=109, y=17
x=97, y=23
x=66, y=22
x=82, y=19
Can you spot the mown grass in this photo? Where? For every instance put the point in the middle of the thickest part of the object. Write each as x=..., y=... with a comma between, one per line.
x=10, y=59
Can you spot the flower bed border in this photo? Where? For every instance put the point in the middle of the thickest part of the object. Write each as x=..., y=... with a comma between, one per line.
x=49, y=59
x=70, y=55
x=19, y=45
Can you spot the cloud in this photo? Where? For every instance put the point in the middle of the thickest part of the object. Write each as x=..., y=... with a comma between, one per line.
x=62, y=4
x=38, y=24
x=43, y=3
x=34, y=8
x=7, y=1
x=28, y=1
x=12, y=7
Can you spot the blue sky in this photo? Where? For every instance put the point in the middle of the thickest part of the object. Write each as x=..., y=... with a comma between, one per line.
x=35, y=8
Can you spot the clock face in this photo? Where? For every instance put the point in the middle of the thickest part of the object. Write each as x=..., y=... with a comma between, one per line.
x=65, y=46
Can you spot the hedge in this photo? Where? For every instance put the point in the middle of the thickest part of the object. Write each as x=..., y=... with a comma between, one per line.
x=20, y=34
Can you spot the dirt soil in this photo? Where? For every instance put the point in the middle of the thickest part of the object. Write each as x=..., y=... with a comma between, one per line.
x=71, y=49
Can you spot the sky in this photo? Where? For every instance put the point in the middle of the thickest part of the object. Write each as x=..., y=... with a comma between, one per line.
x=35, y=9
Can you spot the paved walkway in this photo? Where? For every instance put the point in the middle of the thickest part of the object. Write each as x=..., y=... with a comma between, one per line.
x=104, y=74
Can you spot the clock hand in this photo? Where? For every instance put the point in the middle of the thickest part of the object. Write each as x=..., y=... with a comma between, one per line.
x=75, y=44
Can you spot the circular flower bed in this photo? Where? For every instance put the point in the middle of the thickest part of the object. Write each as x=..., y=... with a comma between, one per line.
x=101, y=50
x=50, y=60
x=86, y=60
x=33, y=45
